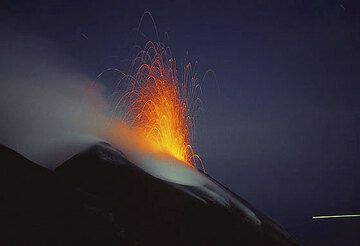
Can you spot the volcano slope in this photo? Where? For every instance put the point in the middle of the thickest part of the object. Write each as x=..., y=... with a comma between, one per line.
x=98, y=197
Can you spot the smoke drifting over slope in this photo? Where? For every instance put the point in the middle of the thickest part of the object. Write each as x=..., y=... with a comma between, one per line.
x=47, y=109
x=50, y=111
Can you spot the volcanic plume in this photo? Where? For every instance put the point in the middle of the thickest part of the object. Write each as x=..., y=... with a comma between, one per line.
x=50, y=112
x=127, y=177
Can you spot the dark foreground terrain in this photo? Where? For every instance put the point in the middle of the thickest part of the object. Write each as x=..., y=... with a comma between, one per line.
x=99, y=198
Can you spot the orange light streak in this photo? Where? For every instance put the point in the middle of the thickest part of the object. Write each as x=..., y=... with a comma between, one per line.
x=160, y=104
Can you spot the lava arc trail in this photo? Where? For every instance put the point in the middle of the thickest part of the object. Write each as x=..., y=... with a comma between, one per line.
x=160, y=105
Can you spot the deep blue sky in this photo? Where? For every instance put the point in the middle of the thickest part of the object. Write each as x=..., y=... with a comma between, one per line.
x=283, y=131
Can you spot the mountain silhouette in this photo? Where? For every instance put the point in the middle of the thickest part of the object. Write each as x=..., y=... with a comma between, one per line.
x=98, y=197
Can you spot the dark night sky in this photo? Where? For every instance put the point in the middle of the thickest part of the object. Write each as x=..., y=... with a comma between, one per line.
x=283, y=130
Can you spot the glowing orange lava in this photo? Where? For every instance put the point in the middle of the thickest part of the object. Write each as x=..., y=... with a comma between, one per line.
x=160, y=106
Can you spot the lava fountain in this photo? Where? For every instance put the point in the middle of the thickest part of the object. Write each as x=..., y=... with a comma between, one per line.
x=160, y=105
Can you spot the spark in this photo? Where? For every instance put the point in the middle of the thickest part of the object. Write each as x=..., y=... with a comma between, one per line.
x=160, y=104
x=336, y=216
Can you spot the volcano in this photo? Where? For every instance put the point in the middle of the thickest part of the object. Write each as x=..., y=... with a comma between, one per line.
x=98, y=197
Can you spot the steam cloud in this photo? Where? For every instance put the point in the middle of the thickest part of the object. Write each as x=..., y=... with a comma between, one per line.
x=47, y=109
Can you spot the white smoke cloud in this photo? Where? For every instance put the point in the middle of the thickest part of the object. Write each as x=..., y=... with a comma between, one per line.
x=47, y=109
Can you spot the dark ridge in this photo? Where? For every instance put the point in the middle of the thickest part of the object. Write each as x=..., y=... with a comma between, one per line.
x=158, y=212
x=35, y=209
x=99, y=198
